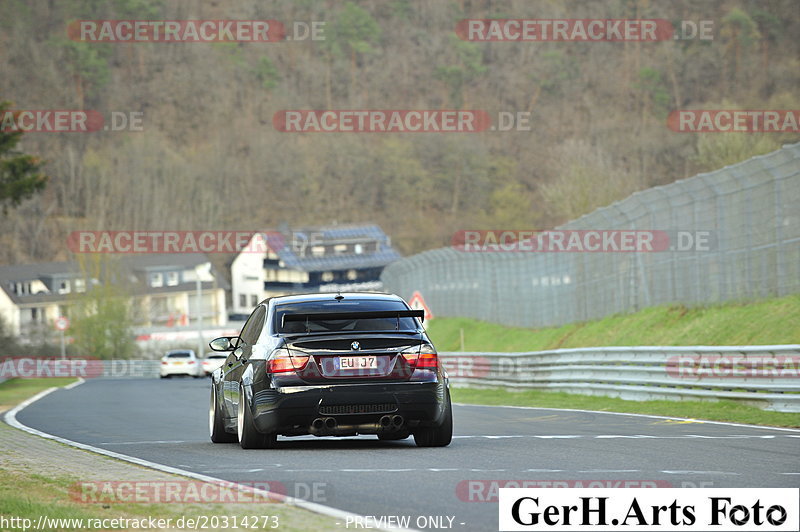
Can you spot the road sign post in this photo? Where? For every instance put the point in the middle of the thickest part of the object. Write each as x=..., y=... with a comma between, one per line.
x=62, y=324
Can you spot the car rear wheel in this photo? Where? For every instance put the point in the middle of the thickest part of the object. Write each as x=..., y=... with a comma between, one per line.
x=438, y=436
x=216, y=426
x=249, y=437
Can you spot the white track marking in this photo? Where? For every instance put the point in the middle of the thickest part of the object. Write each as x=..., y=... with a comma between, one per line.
x=632, y=436
x=146, y=442
x=610, y=471
x=74, y=384
x=699, y=473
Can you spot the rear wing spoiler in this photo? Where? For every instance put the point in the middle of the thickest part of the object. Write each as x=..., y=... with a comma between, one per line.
x=364, y=315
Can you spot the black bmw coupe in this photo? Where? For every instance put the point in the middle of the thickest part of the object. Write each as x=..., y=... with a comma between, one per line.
x=330, y=365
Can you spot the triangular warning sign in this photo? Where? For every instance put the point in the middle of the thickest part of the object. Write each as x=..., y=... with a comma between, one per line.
x=417, y=303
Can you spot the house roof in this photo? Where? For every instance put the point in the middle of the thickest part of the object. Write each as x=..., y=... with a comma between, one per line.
x=286, y=248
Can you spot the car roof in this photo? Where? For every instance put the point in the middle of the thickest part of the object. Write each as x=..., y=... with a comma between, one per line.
x=328, y=296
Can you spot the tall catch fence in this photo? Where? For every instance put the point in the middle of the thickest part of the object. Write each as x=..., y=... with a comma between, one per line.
x=734, y=235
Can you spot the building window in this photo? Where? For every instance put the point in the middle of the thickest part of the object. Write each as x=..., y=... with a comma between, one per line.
x=63, y=287
x=156, y=280
x=242, y=300
x=253, y=300
x=327, y=277
x=340, y=249
x=352, y=275
x=172, y=279
x=317, y=251
x=292, y=276
x=80, y=285
x=359, y=249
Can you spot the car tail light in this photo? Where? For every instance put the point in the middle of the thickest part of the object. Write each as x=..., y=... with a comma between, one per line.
x=425, y=357
x=164, y=362
x=191, y=362
x=282, y=362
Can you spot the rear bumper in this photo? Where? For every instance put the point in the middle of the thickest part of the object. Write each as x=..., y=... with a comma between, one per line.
x=179, y=370
x=291, y=410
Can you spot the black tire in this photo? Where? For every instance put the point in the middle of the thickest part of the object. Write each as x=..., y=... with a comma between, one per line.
x=249, y=437
x=216, y=423
x=438, y=436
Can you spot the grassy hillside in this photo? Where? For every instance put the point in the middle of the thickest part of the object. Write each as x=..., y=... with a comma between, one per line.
x=774, y=321
x=593, y=112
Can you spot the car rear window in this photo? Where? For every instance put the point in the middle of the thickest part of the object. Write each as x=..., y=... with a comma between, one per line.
x=350, y=325
x=179, y=355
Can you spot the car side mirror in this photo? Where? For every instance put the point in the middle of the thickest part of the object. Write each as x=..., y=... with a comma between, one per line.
x=224, y=343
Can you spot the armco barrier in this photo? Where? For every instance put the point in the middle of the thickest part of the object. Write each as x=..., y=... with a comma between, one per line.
x=765, y=376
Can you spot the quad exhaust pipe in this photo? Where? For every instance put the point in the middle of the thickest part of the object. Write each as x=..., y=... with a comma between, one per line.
x=323, y=426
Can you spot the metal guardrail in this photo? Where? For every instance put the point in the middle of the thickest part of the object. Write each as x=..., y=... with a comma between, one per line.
x=764, y=376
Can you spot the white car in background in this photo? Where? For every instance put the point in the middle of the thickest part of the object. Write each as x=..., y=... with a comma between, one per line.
x=180, y=362
x=213, y=361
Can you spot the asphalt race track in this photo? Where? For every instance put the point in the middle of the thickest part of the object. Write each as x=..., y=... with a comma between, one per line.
x=165, y=421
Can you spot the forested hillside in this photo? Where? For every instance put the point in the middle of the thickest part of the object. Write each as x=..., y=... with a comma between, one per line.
x=209, y=157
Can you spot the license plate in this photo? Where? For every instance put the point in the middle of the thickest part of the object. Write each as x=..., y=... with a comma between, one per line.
x=368, y=362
